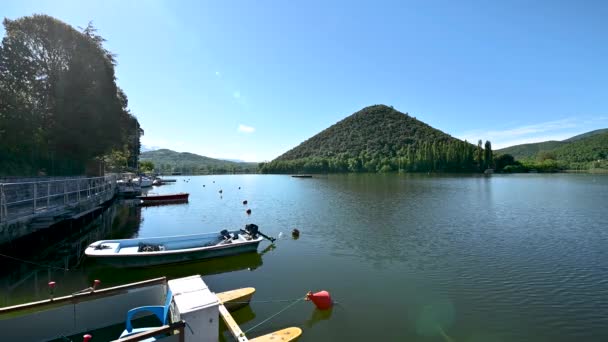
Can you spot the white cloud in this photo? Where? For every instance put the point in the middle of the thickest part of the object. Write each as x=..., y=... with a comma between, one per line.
x=217, y=73
x=236, y=94
x=543, y=131
x=162, y=143
x=245, y=129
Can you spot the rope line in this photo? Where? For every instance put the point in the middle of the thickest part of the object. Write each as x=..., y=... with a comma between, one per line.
x=276, y=314
x=260, y=301
x=34, y=263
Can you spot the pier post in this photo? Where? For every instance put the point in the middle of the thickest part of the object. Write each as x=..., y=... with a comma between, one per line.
x=48, y=195
x=35, y=195
x=2, y=203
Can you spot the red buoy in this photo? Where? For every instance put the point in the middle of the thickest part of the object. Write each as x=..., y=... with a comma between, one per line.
x=96, y=283
x=86, y=338
x=321, y=299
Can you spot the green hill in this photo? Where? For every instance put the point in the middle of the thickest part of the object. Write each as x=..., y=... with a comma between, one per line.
x=587, y=135
x=377, y=138
x=167, y=161
x=591, y=148
x=585, y=151
x=530, y=151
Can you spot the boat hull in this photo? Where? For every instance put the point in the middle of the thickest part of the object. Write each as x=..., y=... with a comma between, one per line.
x=162, y=199
x=151, y=259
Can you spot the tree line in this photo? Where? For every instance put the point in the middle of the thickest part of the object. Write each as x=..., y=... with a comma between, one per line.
x=61, y=112
x=437, y=156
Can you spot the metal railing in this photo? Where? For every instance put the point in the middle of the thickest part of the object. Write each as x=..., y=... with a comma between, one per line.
x=29, y=198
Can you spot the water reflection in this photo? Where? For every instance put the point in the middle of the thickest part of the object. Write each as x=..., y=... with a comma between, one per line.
x=62, y=260
x=317, y=316
x=112, y=276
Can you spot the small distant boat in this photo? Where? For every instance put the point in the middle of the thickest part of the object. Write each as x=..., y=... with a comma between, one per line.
x=302, y=176
x=173, y=249
x=159, y=199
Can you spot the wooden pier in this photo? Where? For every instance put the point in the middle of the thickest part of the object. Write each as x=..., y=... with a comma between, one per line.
x=27, y=207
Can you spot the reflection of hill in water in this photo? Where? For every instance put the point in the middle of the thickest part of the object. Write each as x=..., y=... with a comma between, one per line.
x=115, y=276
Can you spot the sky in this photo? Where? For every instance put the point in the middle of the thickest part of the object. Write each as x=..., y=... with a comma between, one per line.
x=250, y=80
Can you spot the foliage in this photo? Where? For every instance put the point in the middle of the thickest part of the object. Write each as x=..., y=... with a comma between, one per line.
x=504, y=160
x=529, y=151
x=379, y=139
x=582, y=152
x=60, y=107
x=168, y=161
x=146, y=166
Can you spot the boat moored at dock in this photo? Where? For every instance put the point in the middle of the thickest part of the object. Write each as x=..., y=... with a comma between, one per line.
x=151, y=199
x=174, y=249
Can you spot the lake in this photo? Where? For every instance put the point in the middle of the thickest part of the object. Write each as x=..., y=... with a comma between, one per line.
x=406, y=257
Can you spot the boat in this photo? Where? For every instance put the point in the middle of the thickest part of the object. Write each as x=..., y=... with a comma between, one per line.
x=185, y=309
x=128, y=189
x=174, y=249
x=143, y=182
x=167, y=198
x=301, y=176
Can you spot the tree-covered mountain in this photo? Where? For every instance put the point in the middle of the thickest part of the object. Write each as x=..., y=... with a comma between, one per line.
x=380, y=139
x=584, y=151
x=167, y=161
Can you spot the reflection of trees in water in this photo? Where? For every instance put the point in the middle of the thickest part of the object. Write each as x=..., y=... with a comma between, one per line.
x=116, y=276
x=57, y=249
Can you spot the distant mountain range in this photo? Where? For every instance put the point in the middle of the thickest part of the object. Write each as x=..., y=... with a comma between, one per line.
x=583, y=148
x=166, y=161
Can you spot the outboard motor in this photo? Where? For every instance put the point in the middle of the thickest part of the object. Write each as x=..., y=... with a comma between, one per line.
x=252, y=229
x=225, y=234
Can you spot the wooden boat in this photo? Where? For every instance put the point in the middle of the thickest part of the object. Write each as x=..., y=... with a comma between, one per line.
x=173, y=249
x=301, y=176
x=101, y=312
x=167, y=198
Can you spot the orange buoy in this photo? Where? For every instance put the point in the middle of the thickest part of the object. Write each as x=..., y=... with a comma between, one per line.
x=321, y=299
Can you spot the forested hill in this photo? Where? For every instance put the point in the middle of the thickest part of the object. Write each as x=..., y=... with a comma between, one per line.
x=584, y=148
x=375, y=129
x=167, y=161
x=379, y=138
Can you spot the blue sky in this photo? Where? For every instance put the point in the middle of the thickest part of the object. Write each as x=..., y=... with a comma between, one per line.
x=251, y=79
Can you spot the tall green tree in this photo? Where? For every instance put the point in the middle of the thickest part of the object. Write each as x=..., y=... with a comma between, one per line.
x=487, y=155
x=479, y=155
x=61, y=107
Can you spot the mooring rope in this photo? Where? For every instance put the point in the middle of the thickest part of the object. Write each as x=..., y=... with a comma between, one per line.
x=276, y=314
x=34, y=263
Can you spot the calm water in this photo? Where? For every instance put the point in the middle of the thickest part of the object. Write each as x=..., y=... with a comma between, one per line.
x=407, y=257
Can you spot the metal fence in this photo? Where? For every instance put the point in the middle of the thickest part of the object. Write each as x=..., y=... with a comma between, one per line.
x=21, y=199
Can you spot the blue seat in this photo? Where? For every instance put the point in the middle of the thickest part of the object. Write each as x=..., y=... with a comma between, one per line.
x=161, y=312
